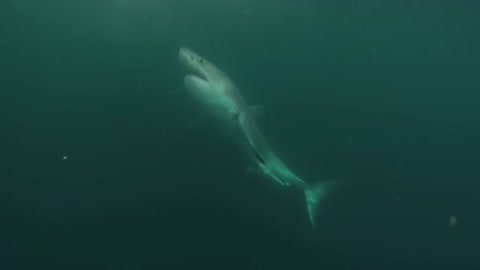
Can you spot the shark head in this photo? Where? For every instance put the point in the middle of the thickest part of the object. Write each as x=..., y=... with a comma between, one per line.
x=201, y=74
x=208, y=84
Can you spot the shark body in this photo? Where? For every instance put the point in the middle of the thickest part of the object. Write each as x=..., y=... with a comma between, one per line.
x=219, y=96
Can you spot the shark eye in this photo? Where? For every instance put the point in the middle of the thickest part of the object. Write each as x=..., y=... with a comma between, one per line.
x=200, y=60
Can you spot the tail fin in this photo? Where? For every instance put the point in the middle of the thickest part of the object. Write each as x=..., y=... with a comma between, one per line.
x=314, y=195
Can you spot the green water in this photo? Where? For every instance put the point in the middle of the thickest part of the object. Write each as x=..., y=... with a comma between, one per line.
x=98, y=169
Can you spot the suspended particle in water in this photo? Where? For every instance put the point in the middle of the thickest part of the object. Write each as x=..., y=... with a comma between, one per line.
x=65, y=157
x=453, y=221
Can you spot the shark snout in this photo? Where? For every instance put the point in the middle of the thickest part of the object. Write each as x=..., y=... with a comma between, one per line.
x=193, y=64
x=188, y=57
x=184, y=56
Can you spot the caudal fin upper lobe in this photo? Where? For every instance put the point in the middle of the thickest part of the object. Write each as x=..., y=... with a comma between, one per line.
x=315, y=195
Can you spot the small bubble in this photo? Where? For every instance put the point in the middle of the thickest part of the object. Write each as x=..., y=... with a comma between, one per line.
x=65, y=157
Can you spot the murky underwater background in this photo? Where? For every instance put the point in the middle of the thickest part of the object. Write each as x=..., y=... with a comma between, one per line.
x=98, y=170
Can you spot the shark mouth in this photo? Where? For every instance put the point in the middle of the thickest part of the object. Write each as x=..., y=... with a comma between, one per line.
x=194, y=71
x=197, y=74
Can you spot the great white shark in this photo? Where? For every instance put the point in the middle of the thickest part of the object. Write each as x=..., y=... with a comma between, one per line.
x=219, y=96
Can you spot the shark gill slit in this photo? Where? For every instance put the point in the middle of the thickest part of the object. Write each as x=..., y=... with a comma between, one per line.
x=258, y=157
